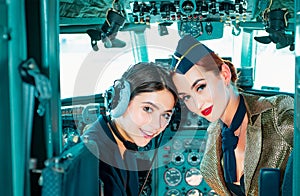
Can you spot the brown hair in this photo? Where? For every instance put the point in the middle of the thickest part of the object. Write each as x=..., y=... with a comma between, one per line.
x=149, y=77
x=209, y=61
x=145, y=77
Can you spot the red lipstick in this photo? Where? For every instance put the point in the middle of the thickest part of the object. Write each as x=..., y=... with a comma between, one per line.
x=207, y=111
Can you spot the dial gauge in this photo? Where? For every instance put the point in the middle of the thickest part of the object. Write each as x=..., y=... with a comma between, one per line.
x=193, y=177
x=194, y=28
x=194, y=192
x=172, y=176
x=173, y=192
x=194, y=158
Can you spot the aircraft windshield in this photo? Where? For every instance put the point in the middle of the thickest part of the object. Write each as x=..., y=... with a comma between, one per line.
x=87, y=72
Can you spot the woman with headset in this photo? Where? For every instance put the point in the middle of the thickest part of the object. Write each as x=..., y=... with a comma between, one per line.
x=140, y=106
x=247, y=132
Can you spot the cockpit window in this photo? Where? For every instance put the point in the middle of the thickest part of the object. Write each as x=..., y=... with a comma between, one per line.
x=86, y=72
x=274, y=68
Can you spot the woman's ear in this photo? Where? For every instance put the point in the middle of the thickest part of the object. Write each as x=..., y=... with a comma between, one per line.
x=226, y=73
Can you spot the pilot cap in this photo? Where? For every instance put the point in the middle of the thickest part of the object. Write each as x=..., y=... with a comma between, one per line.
x=188, y=52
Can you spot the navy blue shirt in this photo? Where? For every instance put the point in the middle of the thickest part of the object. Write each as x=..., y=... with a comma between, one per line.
x=118, y=175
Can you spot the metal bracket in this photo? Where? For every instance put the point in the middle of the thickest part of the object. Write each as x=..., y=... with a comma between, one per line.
x=31, y=74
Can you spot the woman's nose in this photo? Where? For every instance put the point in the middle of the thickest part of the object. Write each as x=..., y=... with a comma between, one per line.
x=199, y=101
x=196, y=103
x=156, y=121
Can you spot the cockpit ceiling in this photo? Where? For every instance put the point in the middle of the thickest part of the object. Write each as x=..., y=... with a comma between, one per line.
x=164, y=11
x=84, y=8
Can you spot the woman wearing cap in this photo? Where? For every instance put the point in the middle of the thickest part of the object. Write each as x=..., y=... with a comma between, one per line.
x=140, y=107
x=247, y=132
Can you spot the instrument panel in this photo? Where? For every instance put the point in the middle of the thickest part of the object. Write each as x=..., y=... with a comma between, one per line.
x=178, y=171
x=202, y=19
x=75, y=120
x=141, y=11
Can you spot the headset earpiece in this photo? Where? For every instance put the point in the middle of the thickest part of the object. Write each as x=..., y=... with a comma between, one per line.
x=120, y=97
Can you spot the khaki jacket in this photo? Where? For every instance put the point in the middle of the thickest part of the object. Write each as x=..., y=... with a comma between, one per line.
x=269, y=141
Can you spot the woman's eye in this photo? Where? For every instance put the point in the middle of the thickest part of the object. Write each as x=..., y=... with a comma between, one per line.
x=185, y=97
x=167, y=116
x=201, y=87
x=148, y=109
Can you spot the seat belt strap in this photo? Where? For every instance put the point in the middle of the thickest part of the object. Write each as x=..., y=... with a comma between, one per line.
x=31, y=74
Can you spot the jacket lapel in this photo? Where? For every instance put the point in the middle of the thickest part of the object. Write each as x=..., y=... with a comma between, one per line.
x=253, y=151
x=255, y=107
x=211, y=166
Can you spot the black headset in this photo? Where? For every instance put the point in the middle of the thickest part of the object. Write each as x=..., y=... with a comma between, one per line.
x=118, y=97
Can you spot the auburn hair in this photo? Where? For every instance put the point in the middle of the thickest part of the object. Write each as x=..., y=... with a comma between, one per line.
x=210, y=61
